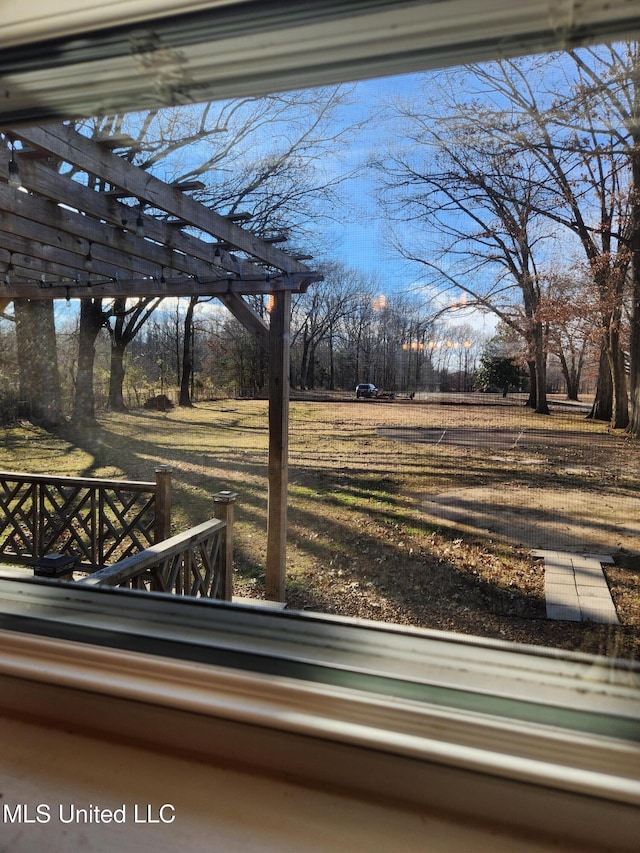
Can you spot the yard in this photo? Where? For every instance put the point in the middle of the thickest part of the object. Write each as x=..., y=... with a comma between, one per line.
x=414, y=512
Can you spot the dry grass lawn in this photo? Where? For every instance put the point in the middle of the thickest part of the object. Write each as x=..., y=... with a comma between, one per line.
x=385, y=524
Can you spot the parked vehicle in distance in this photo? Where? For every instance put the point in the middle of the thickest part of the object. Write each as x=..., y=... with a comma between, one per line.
x=366, y=389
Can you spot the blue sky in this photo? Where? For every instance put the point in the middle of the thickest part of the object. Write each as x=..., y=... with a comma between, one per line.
x=363, y=236
x=359, y=235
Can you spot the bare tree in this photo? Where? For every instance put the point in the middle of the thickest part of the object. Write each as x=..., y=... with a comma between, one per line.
x=567, y=127
x=610, y=98
x=556, y=134
x=317, y=315
x=473, y=211
x=240, y=363
x=357, y=333
x=260, y=158
x=571, y=309
x=128, y=318
x=189, y=352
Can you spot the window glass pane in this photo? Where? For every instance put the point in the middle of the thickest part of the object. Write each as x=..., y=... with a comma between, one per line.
x=458, y=250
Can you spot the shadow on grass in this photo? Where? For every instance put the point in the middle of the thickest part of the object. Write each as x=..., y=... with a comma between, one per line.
x=356, y=562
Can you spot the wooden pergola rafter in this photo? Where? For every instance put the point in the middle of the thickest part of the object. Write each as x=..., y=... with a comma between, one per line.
x=62, y=239
x=110, y=227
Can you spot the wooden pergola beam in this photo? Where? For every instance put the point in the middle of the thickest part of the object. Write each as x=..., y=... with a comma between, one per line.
x=31, y=250
x=44, y=245
x=120, y=219
x=245, y=315
x=67, y=228
x=85, y=154
x=105, y=226
x=229, y=292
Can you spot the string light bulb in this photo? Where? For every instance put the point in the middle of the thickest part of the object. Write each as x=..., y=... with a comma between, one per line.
x=139, y=225
x=14, y=171
x=9, y=270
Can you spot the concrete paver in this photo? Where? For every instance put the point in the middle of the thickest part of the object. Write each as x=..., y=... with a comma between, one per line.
x=576, y=589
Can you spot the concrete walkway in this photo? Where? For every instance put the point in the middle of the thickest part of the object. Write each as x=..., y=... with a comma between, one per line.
x=576, y=589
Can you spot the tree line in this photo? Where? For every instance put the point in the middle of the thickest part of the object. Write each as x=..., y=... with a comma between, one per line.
x=343, y=333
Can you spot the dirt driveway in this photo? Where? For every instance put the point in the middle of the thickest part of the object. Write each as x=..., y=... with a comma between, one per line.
x=553, y=519
x=544, y=511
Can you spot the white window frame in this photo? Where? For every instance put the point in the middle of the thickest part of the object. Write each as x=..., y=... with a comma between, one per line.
x=81, y=57
x=478, y=727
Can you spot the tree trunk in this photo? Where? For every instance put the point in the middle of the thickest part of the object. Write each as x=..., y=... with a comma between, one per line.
x=91, y=321
x=571, y=375
x=602, y=408
x=118, y=347
x=634, y=350
x=634, y=245
x=332, y=372
x=573, y=388
x=310, y=382
x=634, y=421
x=177, y=343
x=620, y=418
x=304, y=359
x=187, y=355
x=532, y=400
x=116, y=376
x=542, y=406
x=39, y=378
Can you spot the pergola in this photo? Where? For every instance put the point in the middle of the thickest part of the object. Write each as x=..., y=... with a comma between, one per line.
x=64, y=239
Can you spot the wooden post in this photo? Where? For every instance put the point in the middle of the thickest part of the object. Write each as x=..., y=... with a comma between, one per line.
x=162, y=527
x=279, y=359
x=37, y=513
x=224, y=510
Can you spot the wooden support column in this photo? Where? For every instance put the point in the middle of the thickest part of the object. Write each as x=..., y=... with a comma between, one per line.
x=162, y=528
x=224, y=503
x=279, y=356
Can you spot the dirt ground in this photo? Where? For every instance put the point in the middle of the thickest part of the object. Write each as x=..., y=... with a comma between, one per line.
x=561, y=519
x=485, y=485
x=574, y=490
x=419, y=513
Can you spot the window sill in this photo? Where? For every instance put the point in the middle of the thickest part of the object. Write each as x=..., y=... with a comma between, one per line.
x=476, y=727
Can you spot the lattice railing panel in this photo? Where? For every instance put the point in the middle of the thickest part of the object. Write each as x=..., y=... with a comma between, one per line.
x=18, y=518
x=204, y=578
x=99, y=521
x=67, y=521
x=191, y=563
x=127, y=522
